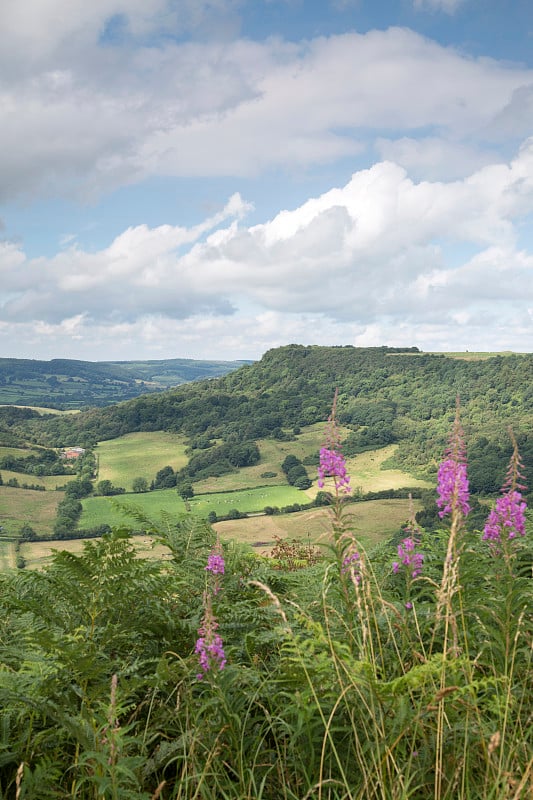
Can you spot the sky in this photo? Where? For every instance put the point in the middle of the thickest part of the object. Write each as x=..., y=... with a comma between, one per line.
x=213, y=178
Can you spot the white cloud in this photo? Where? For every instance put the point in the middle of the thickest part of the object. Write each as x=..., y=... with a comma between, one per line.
x=373, y=255
x=81, y=117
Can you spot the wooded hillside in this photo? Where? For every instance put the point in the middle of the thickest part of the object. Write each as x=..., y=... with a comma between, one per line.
x=386, y=395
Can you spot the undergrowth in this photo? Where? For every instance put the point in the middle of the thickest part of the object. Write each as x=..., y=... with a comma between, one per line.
x=316, y=675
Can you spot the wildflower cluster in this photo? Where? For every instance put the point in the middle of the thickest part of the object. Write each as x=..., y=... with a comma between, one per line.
x=209, y=646
x=409, y=558
x=351, y=564
x=332, y=464
x=215, y=563
x=508, y=519
x=452, y=487
x=452, y=480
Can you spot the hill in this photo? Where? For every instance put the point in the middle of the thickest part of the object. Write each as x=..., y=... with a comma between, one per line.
x=65, y=383
x=383, y=399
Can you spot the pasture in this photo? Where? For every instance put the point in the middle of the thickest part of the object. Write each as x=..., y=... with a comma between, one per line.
x=7, y=554
x=17, y=452
x=139, y=455
x=102, y=510
x=38, y=509
x=38, y=554
x=372, y=522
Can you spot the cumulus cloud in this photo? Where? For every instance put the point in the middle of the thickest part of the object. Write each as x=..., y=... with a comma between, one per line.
x=84, y=115
x=376, y=254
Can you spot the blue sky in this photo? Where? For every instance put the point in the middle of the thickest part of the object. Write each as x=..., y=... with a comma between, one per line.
x=212, y=178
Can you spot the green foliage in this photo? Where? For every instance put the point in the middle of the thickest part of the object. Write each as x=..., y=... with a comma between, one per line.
x=105, y=488
x=139, y=485
x=332, y=687
x=385, y=395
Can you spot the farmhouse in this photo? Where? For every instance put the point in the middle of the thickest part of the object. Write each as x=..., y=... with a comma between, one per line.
x=72, y=453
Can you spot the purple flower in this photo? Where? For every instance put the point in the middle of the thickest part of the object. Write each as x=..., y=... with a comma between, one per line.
x=409, y=558
x=350, y=563
x=452, y=488
x=215, y=563
x=332, y=464
x=507, y=519
x=209, y=646
x=452, y=481
x=216, y=566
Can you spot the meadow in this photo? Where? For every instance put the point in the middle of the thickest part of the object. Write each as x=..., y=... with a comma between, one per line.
x=19, y=506
x=139, y=455
x=7, y=553
x=102, y=510
x=373, y=522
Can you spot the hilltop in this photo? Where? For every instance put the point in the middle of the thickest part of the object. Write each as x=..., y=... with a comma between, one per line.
x=382, y=399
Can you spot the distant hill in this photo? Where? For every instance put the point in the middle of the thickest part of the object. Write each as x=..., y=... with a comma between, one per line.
x=67, y=383
x=383, y=399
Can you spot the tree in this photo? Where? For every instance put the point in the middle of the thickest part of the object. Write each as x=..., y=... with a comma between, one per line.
x=106, y=489
x=27, y=533
x=185, y=491
x=139, y=485
x=165, y=478
x=79, y=488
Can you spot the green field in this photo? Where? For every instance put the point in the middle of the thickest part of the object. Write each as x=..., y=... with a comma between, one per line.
x=371, y=522
x=102, y=510
x=18, y=452
x=368, y=473
x=7, y=554
x=273, y=453
x=38, y=509
x=50, y=482
x=139, y=455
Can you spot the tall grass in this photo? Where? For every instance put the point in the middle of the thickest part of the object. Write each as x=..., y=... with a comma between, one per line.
x=346, y=678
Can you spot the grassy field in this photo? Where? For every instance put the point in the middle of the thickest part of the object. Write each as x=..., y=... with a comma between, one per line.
x=139, y=455
x=7, y=554
x=38, y=554
x=18, y=452
x=102, y=510
x=368, y=474
x=373, y=522
x=50, y=482
x=42, y=410
x=38, y=509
